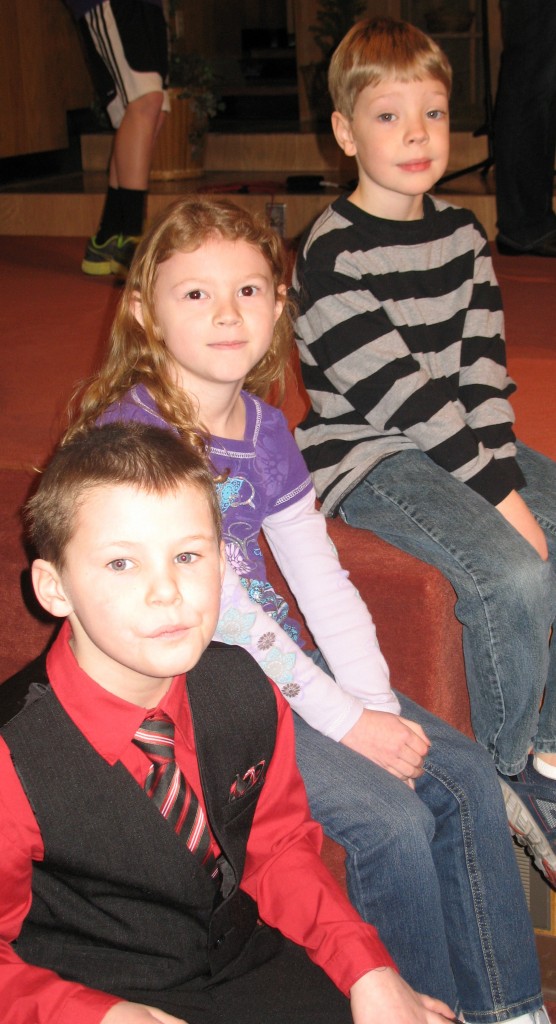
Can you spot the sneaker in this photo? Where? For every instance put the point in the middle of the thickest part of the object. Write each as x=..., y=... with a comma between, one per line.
x=535, y=1017
x=123, y=254
x=98, y=259
x=112, y=257
x=530, y=800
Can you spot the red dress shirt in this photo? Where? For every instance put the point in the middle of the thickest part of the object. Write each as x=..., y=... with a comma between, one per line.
x=283, y=871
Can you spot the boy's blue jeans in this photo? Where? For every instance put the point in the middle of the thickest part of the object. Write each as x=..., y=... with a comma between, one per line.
x=506, y=594
x=433, y=869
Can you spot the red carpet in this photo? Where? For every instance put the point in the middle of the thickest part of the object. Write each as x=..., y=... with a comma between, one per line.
x=54, y=321
x=529, y=291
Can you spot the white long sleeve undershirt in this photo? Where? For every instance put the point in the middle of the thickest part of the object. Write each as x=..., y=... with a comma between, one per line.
x=336, y=615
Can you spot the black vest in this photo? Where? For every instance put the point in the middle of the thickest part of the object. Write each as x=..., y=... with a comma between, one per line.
x=120, y=903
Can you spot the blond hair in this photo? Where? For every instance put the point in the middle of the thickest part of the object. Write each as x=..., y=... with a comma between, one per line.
x=137, y=353
x=379, y=48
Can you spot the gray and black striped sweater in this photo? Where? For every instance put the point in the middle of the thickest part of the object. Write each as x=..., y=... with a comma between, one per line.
x=401, y=337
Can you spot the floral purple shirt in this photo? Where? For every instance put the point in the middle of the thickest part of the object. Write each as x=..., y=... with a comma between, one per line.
x=266, y=473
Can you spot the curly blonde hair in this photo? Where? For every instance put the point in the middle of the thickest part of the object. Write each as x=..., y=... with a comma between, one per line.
x=137, y=352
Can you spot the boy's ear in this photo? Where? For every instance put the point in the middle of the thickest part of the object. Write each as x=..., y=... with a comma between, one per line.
x=49, y=588
x=137, y=308
x=341, y=127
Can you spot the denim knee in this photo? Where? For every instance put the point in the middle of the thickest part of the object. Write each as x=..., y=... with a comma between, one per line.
x=403, y=828
x=530, y=576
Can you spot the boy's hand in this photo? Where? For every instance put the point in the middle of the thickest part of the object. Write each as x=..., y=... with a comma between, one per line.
x=519, y=515
x=136, y=1013
x=394, y=743
x=382, y=997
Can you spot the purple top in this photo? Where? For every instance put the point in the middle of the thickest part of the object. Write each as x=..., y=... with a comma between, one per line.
x=266, y=473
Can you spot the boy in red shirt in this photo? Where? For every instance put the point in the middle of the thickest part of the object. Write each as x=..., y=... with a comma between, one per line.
x=155, y=836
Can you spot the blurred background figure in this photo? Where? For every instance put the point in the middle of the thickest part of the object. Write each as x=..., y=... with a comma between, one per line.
x=127, y=50
x=525, y=128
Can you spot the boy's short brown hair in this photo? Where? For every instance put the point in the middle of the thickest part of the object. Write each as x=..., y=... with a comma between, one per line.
x=150, y=458
x=379, y=48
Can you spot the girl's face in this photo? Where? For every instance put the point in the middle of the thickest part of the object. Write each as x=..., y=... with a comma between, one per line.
x=216, y=309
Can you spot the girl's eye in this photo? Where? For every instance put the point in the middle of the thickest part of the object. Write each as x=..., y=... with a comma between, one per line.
x=195, y=294
x=185, y=558
x=119, y=564
x=435, y=115
x=248, y=290
x=387, y=118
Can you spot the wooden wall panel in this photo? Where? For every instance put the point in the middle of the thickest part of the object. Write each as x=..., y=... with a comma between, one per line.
x=42, y=75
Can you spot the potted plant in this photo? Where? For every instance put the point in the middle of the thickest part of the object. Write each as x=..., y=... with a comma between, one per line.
x=333, y=19
x=179, y=150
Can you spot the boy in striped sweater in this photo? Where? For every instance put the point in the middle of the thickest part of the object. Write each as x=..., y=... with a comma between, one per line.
x=401, y=337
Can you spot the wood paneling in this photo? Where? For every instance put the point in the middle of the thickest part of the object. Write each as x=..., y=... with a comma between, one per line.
x=42, y=75
x=59, y=213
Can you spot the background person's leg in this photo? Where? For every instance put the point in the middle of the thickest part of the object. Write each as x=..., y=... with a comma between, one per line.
x=127, y=46
x=525, y=126
x=134, y=141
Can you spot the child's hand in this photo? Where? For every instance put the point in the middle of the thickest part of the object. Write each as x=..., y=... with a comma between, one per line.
x=518, y=514
x=382, y=997
x=136, y=1013
x=394, y=743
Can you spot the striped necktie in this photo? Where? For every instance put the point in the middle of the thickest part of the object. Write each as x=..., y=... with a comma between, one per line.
x=168, y=788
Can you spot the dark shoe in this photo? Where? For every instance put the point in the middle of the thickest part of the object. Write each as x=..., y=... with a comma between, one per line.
x=543, y=247
x=112, y=257
x=530, y=800
x=123, y=254
x=97, y=260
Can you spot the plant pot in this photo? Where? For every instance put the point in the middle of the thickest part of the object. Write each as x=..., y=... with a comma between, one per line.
x=180, y=147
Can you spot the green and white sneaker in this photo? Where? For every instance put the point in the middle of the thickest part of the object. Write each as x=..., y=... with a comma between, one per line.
x=112, y=257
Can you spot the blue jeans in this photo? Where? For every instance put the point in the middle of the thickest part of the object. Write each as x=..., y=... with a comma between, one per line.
x=433, y=869
x=506, y=594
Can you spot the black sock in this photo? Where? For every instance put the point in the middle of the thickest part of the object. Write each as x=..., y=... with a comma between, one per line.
x=111, y=220
x=132, y=205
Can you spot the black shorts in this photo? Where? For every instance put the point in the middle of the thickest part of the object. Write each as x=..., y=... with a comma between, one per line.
x=127, y=48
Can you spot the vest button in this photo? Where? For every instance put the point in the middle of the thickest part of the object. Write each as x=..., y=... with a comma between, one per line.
x=218, y=942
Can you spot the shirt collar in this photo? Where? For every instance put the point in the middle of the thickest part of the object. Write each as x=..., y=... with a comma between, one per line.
x=107, y=721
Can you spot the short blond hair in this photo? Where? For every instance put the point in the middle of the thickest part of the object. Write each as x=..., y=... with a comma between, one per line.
x=379, y=48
